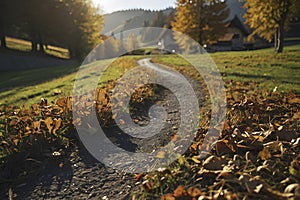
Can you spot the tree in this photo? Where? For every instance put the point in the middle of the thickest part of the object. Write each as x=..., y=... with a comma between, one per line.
x=169, y=19
x=132, y=43
x=73, y=24
x=8, y=21
x=202, y=20
x=80, y=26
x=159, y=20
x=270, y=18
x=3, y=24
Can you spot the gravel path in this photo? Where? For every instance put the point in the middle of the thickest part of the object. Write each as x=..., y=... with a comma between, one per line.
x=75, y=174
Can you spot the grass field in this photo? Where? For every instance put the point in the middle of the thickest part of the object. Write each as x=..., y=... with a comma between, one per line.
x=25, y=46
x=260, y=66
x=26, y=87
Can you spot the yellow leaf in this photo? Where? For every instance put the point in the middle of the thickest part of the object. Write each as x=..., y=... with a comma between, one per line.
x=195, y=160
x=182, y=160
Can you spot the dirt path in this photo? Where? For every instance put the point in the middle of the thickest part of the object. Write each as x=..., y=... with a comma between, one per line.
x=77, y=175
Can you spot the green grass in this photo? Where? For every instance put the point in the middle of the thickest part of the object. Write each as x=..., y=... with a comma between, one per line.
x=25, y=46
x=27, y=87
x=261, y=66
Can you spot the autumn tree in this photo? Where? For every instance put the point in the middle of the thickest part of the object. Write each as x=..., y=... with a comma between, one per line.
x=202, y=20
x=85, y=26
x=132, y=43
x=270, y=18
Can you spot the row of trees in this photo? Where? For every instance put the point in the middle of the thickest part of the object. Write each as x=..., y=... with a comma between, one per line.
x=205, y=20
x=73, y=24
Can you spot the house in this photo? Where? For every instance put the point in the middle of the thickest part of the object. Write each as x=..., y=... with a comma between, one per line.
x=234, y=37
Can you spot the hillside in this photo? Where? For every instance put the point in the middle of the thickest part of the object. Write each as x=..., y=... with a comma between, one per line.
x=130, y=19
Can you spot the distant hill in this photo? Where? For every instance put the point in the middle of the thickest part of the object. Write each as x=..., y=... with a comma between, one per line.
x=129, y=19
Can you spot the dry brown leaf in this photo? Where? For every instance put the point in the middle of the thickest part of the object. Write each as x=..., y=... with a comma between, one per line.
x=148, y=185
x=168, y=197
x=224, y=147
x=294, y=100
x=161, y=154
x=36, y=126
x=48, y=123
x=180, y=191
x=264, y=154
x=137, y=177
x=57, y=124
x=16, y=141
x=213, y=163
x=194, y=192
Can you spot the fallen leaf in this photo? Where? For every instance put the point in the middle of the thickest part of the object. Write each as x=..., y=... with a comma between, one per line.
x=61, y=165
x=264, y=154
x=294, y=101
x=195, y=160
x=48, y=123
x=180, y=191
x=161, y=154
x=137, y=177
x=148, y=185
x=57, y=124
x=168, y=197
x=174, y=137
x=194, y=192
x=37, y=126
x=223, y=147
x=16, y=141
x=213, y=163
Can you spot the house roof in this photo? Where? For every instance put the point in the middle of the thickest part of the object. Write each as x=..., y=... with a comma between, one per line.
x=227, y=37
x=236, y=22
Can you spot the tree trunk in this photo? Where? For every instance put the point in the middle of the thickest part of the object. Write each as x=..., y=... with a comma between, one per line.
x=275, y=40
x=41, y=50
x=33, y=46
x=3, y=42
x=280, y=39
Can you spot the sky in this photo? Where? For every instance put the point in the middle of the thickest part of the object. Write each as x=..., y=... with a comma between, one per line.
x=109, y=6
